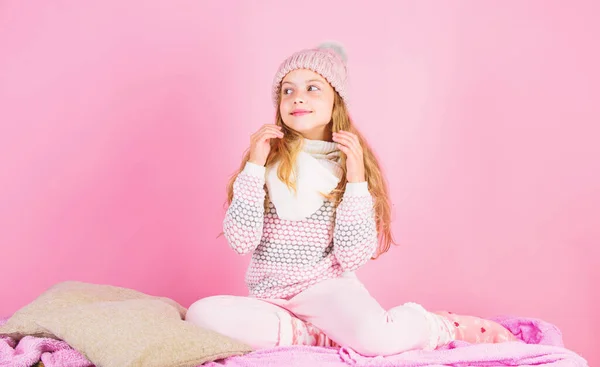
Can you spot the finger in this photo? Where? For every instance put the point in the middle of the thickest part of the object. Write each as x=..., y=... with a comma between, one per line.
x=352, y=136
x=274, y=133
x=341, y=139
x=347, y=151
x=355, y=146
x=347, y=143
x=355, y=141
x=270, y=135
x=268, y=127
x=272, y=126
x=343, y=135
x=343, y=148
x=260, y=133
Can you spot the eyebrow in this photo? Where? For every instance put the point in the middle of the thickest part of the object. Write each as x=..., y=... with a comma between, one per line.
x=308, y=81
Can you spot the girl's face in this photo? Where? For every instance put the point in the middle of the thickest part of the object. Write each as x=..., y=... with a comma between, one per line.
x=307, y=103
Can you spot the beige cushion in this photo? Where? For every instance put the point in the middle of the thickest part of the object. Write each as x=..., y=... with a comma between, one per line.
x=130, y=333
x=67, y=294
x=120, y=327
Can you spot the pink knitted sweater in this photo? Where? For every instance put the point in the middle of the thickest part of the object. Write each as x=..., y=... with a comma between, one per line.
x=289, y=256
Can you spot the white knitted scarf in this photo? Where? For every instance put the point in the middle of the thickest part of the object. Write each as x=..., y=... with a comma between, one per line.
x=317, y=172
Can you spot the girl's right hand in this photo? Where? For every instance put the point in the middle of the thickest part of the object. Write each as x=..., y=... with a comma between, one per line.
x=260, y=145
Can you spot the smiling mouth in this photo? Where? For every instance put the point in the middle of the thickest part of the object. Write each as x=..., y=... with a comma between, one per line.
x=300, y=113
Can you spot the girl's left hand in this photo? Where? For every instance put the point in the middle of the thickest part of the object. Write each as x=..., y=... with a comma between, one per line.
x=355, y=164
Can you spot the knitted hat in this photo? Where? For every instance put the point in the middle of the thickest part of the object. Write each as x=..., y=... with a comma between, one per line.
x=328, y=60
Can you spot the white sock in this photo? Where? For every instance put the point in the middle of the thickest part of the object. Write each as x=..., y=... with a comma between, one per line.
x=441, y=329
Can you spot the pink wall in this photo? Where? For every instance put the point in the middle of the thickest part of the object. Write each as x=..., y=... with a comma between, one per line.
x=120, y=123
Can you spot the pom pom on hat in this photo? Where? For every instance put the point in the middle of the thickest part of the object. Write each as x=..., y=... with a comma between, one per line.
x=338, y=48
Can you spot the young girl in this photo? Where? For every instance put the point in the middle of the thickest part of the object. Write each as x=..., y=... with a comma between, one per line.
x=310, y=204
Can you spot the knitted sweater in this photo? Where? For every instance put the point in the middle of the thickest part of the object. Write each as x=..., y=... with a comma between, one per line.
x=289, y=256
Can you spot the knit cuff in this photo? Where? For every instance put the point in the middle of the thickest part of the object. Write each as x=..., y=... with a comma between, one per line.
x=354, y=189
x=255, y=170
x=286, y=329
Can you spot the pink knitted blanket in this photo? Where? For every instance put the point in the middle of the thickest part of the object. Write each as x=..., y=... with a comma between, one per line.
x=541, y=345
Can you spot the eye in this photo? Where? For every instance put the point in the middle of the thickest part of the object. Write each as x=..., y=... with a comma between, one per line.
x=286, y=91
x=313, y=86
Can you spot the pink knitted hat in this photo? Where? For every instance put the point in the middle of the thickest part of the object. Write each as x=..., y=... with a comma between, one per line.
x=328, y=60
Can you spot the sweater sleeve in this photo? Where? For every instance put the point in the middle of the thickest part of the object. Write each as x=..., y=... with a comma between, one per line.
x=355, y=231
x=244, y=220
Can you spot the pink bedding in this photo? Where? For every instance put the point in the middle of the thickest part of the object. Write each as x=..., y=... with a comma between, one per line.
x=541, y=345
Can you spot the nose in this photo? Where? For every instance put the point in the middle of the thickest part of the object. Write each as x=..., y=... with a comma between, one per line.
x=299, y=98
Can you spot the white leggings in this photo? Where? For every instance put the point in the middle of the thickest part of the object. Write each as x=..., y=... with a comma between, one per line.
x=342, y=308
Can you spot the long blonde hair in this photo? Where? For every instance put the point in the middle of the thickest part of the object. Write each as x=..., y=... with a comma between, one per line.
x=286, y=149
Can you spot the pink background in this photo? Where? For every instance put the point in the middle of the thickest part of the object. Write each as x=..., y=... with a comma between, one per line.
x=120, y=123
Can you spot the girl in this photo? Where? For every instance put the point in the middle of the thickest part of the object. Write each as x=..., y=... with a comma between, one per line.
x=310, y=204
